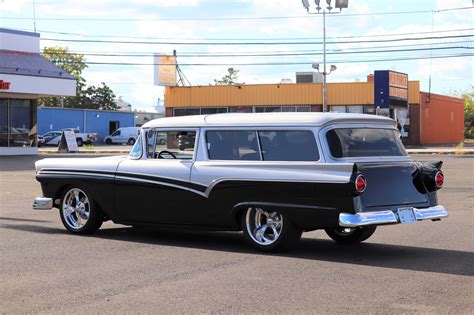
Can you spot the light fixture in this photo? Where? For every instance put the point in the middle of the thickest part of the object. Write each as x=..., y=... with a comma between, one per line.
x=315, y=66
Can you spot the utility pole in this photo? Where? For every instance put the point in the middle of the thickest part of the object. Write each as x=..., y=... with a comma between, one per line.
x=340, y=4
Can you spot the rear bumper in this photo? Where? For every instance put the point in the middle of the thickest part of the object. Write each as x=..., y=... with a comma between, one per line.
x=43, y=203
x=389, y=216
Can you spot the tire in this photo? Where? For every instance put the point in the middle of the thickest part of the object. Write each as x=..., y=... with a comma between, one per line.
x=352, y=235
x=79, y=142
x=131, y=141
x=108, y=141
x=78, y=212
x=263, y=238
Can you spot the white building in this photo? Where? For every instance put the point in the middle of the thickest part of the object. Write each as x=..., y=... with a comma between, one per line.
x=24, y=77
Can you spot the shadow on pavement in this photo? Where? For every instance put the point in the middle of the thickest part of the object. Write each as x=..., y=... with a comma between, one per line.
x=365, y=254
x=21, y=220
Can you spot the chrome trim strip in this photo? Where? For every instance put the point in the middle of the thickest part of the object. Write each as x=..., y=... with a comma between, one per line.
x=74, y=173
x=160, y=183
x=42, y=203
x=241, y=179
x=389, y=216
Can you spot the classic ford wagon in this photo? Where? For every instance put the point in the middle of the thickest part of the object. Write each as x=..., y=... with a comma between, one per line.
x=271, y=175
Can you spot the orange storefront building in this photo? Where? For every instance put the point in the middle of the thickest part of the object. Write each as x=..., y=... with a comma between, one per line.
x=429, y=119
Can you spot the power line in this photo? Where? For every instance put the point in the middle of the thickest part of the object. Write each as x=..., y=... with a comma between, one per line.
x=282, y=63
x=185, y=54
x=251, y=43
x=265, y=39
x=279, y=54
x=230, y=18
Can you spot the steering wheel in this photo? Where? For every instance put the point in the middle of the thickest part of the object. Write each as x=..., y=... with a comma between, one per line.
x=166, y=152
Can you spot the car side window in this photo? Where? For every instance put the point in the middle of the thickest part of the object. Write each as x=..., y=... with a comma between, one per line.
x=170, y=144
x=232, y=145
x=288, y=145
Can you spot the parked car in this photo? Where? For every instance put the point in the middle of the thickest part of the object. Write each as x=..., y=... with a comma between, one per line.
x=126, y=135
x=270, y=175
x=54, y=137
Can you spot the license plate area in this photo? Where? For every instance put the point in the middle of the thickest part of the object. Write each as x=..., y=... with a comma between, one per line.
x=406, y=215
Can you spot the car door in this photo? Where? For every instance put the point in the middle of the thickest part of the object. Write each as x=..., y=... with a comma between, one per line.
x=156, y=188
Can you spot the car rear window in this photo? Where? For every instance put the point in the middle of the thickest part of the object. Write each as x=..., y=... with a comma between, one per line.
x=361, y=142
x=288, y=145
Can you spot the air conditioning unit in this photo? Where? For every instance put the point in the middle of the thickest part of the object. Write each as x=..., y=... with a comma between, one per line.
x=309, y=77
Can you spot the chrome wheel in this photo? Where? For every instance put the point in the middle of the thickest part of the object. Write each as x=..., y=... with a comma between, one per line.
x=263, y=227
x=76, y=208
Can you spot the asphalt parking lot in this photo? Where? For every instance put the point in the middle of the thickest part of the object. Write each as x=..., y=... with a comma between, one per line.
x=426, y=267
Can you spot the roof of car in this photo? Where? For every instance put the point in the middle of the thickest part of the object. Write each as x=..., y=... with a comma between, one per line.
x=263, y=119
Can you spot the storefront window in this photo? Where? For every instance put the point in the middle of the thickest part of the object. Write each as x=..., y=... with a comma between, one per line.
x=20, y=123
x=3, y=123
x=17, y=123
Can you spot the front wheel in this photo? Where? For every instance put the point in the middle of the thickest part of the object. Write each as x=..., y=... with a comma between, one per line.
x=78, y=212
x=79, y=142
x=346, y=235
x=268, y=230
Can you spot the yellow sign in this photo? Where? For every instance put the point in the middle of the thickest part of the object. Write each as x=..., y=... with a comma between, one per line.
x=399, y=93
x=165, y=70
x=397, y=79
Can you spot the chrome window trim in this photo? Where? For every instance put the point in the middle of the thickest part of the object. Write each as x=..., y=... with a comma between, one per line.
x=322, y=138
x=256, y=129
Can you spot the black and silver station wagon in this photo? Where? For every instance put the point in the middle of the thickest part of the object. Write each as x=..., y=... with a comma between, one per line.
x=271, y=175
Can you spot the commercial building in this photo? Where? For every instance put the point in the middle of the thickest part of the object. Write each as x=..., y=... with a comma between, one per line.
x=24, y=77
x=423, y=118
x=101, y=122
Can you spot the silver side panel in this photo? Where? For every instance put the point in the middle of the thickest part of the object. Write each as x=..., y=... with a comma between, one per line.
x=211, y=173
x=108, y=164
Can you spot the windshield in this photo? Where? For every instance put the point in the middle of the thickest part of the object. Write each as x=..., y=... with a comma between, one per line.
x=363, y=142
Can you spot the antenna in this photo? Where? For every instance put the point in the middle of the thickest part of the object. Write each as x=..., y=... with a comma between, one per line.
x=182, y=78
x=34, y=15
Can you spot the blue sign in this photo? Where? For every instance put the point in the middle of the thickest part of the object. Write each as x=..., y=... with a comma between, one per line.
x=390, y=89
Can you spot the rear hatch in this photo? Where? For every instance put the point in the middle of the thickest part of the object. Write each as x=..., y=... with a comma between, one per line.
x=392, y=185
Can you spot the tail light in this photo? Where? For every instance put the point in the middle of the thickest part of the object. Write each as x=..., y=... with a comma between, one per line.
x=360, y=183
x=439, y=179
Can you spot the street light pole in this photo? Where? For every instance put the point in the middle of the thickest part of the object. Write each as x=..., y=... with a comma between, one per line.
x=340, y=4
x=325, y=92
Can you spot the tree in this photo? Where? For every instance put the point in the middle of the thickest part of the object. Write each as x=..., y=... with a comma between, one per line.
x=92, y=97
x=101, y=97
x=469, y=114
x=230, y=78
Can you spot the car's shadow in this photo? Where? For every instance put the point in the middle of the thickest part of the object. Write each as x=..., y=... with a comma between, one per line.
x=366, y=254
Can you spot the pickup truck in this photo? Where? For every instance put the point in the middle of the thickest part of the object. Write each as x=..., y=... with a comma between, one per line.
x=54, y=137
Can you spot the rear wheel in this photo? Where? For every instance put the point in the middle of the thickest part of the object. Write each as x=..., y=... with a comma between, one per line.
x=269, y=230
x=79, y=142
x=346, y=235
x=79, y=213
x=131, y=141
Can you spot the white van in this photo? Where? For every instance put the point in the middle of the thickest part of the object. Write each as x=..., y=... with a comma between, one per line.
x=126, y=135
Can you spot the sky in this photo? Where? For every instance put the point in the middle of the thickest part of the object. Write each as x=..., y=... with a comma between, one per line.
x=212, y=35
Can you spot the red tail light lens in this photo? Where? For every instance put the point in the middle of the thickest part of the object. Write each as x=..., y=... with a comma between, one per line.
x=360, y=183
x=439, y=179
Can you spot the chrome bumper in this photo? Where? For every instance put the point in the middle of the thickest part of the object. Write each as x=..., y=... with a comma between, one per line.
x=389, y=216
x=43, y=203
